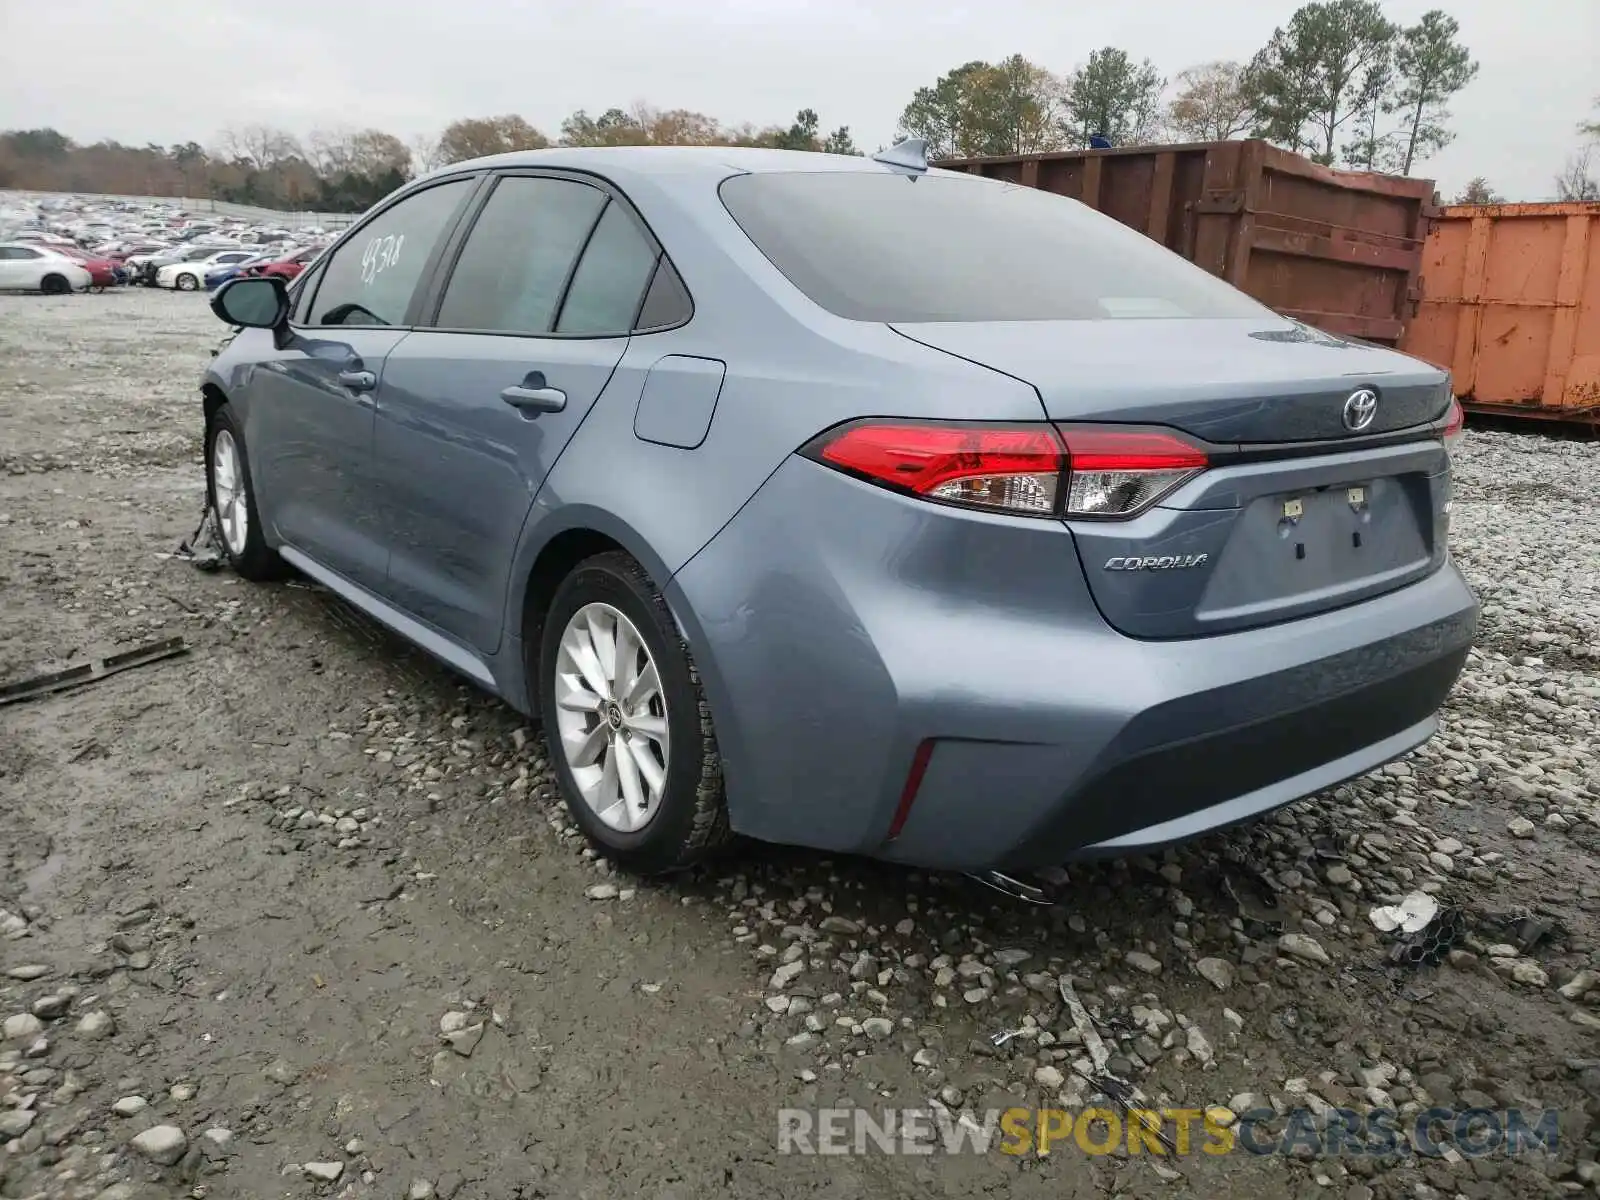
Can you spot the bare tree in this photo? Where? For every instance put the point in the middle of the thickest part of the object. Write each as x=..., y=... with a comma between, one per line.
x=1212, y=104
x=260, y=146
x=1577, y=181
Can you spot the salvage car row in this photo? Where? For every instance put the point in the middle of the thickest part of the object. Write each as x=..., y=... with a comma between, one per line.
x=58, y=246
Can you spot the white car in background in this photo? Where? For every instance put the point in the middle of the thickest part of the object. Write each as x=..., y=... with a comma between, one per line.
x=191, y=276
x=38, y=268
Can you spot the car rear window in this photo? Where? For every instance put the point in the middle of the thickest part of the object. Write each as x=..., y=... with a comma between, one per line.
x=893, y=247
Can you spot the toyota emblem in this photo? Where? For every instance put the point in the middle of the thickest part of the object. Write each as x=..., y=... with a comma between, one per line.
x=1359, y=409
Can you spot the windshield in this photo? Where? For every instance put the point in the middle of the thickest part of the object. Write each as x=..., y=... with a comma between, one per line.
x=891, y=247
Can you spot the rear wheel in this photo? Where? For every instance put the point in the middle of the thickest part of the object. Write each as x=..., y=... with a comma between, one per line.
x=233, y=500
x=628, y=725
x=55, y=285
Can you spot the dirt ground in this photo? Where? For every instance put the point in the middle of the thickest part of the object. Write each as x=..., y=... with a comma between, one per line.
x=297, y=913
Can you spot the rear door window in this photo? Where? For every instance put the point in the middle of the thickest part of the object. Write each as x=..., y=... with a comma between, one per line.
x=609, y=283
x=519, y=257
x=369, y=280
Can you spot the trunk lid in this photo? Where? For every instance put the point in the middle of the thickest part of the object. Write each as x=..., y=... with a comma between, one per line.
x=1296, y=515
x=1230, y=381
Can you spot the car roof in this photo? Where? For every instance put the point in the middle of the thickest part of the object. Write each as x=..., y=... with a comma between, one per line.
x=668, y=163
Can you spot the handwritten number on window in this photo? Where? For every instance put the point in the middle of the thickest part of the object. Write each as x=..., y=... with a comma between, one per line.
x=380, y=254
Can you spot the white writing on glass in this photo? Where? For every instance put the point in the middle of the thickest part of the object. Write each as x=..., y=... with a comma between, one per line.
x=381, y=254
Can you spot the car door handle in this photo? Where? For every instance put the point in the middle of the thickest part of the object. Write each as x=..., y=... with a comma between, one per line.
x=531, y=401
x=360, y=381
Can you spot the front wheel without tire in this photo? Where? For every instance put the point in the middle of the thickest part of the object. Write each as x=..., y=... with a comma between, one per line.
x=627, y=722
x=233, y=500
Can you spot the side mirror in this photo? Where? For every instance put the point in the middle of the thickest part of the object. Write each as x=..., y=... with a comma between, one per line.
x=254, y=301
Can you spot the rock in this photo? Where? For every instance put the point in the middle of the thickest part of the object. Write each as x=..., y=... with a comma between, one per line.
x=51, y=1008
x=1049, y=1078
x=836, y=924
x=465, y=1041
x=877, y=1028
x=454, y=1022
x=925, y=1058
x=1529, y=973
x=601, y=891
x=27, y=972
x=96, y=1026
x=280, y=1071
x=1199, y=1046
x=161, y=1144
x=130, y=1106
x=1520, y=827
x=22, y=1027
x=785, y=975
x=326, y=1172
x=182, y=1092
x=1140, y=961
x=16, y=1122
x=1339, y=875
x=1012, y=958
x=219, y=1137
x=1303, y=946
x=1217, y=972
x=355, y=1146
x=1579, y=985
x=420, y=1189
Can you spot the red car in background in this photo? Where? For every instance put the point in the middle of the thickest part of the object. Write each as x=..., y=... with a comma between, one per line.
x=102, y=271
x=286, y=267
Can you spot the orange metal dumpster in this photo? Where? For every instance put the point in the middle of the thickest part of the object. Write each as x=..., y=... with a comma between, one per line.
x=1339, y=250
x=1511, y=306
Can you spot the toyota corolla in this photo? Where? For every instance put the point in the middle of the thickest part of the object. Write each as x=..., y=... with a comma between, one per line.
x=850, y=503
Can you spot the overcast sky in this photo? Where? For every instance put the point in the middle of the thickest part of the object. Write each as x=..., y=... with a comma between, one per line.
x=180, y=70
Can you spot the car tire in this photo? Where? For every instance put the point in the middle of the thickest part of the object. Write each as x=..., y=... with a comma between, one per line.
x=232, y=493
x=683, y=817
x=55, y=285
x=187, y=282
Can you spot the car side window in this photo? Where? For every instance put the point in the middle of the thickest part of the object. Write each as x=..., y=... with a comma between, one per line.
x=517, y=259
x=370, y=279
x=303, y=296
x=22, y=252
x=667, y=302
x=610, y=280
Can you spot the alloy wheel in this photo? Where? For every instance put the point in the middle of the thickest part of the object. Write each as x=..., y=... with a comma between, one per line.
x=611, y=717
x=228, y=491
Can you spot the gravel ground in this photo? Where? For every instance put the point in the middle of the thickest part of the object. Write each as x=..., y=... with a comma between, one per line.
x=297, y=914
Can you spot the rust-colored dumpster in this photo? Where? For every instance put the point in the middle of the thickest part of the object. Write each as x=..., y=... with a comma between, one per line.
x=1511, y=306
x=1339, y=250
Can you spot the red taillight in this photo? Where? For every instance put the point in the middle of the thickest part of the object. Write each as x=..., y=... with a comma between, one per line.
x=1011, y=468
x=1455, y=424
x=1029, y=470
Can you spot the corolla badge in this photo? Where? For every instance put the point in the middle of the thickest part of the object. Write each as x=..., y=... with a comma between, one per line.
x=1164, y=562
x=1359, y=409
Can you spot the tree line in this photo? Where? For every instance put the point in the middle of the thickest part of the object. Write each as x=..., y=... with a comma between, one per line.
x=348, y=170
x=1340, y=83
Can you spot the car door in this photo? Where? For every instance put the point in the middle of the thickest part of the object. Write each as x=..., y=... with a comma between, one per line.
x=530, y=323
x=21, y=267
x=312, y=400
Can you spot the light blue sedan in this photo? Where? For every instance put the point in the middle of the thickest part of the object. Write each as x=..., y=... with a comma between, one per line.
x=852, y=503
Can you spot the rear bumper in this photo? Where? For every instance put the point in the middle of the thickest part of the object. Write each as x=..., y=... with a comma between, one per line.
x=839, y=627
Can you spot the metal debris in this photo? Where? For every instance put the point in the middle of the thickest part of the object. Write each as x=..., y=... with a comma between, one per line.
x=1429, y=945
x=90, y=672
x=203, y=549
x=1098, y=1054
